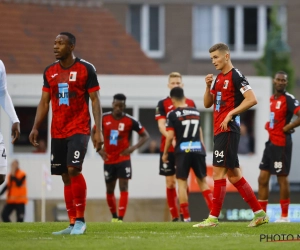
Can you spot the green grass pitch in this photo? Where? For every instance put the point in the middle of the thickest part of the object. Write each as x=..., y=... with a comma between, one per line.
x=160, y=235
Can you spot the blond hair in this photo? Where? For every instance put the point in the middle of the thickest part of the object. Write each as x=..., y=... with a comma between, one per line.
x=219, y=46
x=174, y=74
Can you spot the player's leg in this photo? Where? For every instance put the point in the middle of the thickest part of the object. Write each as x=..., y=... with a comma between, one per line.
x=264, y=177
x=123, y=185
x=183, y=199
x=6, y=212
x=20, y=209
x=110, y=182
x=284, y=197
x=183, y=163
x=124, y=174
x=2, y=178
x=283, y=180
x=59, y=167
x=77, y=147
x=263, y=188
x=199, y=168
x=168, y=170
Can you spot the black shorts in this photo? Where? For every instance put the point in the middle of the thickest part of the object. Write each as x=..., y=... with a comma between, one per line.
x=67, y=152
x=225, y=150
x=167, y=169
x=186, y=161
x=277, y=159
x=119, y=170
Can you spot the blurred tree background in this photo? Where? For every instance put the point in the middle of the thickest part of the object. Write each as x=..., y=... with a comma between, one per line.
x=276, y=55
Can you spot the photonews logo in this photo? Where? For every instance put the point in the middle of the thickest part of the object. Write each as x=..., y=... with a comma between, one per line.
x=63, y=93
x=278, y=237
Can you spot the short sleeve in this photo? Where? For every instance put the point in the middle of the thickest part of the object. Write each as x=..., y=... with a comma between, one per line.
x=137, y=126
x=46, y=86
x=240, y=82
x=292, y=104
x=92, y=83
x=160, y=111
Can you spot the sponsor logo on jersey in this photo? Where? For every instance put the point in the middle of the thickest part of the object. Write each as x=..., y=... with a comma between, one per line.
x=63, y=93
x=113, y=139
x=190, y=146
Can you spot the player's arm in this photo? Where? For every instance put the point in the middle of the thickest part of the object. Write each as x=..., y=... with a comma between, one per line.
x=162, y=126
x=208, y=96
x=97, y=113
x=41, y=113
x=7, y=105
x=289, y=128
x=144, y=136
x=249, y=101
x=169, y=139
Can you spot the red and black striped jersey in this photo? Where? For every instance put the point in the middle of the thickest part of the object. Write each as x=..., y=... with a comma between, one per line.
x=282, y=109
x=165, y=106
x=228, y=93
x=69, y=92
x=117, y=135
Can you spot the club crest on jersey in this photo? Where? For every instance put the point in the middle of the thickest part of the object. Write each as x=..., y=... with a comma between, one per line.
x=63, y=93
x=278, y=104
x=72, y=77
x=225, y=85
x=121, y=127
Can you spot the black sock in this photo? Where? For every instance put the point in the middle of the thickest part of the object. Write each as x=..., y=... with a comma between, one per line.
x=115, y=216
x=120, y=218
x=80, y=219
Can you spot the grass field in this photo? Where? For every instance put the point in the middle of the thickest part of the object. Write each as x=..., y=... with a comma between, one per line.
x=164, y=235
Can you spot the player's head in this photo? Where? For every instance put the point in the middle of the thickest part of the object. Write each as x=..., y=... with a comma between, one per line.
x=280, y=81
x=14, y=166
x=175, y=80
x=119, y=104
x=220, y=55
x=177, y=96
x=64, y=45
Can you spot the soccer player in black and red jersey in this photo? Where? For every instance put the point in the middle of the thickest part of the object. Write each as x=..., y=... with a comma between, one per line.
x=184, y=124
x=117, y=129
x=231, y=95
x=164, y=106
x=69, y=83
x=277, y=155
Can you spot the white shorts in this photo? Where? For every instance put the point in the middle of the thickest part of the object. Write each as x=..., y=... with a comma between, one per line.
x=3, y=160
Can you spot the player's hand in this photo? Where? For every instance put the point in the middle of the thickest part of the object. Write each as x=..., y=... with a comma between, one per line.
x=224, y=124
x=15, y=132
x=165, y=158
x=287, y=130
x=127, y=151
x=209, y=79
x=33, y=137
x=98, y=140
x=103, y=154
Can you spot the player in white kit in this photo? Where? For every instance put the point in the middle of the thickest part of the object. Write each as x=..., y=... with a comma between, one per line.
x=7, y=105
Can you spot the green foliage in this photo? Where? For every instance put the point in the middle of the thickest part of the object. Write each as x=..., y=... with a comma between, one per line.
x=276, y=55
x=145, y=236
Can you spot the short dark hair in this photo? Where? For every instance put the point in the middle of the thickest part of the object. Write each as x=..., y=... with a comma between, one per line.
x=177, y=93
x=281, y=72
x=120, y=97
x=219, y=46
x=71, y=37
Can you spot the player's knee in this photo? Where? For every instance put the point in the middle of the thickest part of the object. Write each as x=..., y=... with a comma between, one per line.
x=263, y=181
x=72, y=171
